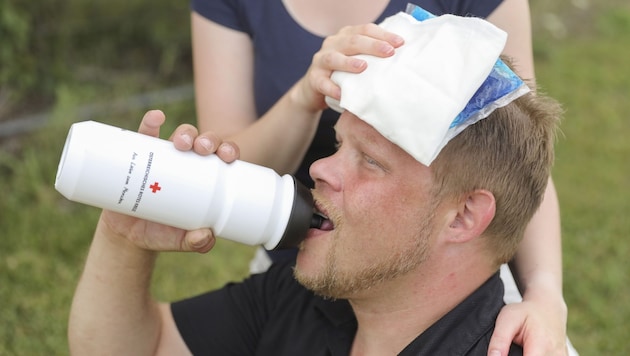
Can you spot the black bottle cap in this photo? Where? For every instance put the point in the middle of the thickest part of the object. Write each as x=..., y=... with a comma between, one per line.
x=300, y=218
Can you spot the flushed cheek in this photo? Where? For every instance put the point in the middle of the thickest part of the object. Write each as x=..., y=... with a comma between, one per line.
x=379, y=218
x=369, y=212
x=366, y=228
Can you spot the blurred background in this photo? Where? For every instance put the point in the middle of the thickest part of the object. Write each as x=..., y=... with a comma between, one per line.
x=110, y=61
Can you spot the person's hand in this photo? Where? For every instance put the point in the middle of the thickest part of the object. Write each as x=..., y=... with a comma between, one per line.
x=157, y=237
x=538, y=324
x=336, y=55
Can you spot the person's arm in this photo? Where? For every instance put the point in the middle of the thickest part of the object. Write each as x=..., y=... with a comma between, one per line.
x=113, y=312
x=513, y=16
x=539, y=323
x=223, y=67
x=224, y=91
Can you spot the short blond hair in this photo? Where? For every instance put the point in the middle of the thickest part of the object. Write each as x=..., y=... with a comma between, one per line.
x=510, y=154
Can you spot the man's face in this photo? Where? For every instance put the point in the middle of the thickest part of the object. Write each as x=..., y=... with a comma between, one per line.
x=377, y=199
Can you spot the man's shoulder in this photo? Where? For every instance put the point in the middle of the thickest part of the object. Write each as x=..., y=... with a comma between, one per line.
x=467, y=328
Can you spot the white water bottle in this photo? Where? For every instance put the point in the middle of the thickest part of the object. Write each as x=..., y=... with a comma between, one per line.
x=147, y=177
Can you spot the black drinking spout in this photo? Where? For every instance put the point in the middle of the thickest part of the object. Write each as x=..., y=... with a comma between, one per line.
x=316, y=221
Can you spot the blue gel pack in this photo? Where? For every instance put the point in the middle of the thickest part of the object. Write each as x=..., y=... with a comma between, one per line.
x=500, y=88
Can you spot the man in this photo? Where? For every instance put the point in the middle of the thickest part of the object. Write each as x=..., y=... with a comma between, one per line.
x=405, y=263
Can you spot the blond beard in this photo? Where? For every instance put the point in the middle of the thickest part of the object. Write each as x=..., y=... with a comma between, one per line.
x=332, y=283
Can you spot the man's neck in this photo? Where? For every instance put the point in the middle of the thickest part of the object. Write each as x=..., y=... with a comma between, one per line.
x=397, y=311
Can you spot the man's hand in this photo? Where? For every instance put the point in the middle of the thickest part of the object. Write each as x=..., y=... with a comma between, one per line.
x=157, y=237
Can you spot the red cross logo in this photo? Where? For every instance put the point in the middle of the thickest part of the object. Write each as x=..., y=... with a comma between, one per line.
x=155, y=187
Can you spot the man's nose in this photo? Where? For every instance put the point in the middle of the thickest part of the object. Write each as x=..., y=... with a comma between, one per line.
x=326, y=171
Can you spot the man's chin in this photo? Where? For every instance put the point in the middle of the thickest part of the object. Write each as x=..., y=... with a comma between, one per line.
x=314, y=283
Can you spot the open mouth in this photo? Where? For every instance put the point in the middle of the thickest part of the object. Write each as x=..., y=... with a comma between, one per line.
x=321, y=221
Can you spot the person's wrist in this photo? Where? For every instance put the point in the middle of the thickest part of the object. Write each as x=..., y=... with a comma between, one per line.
x=115, y=237
x=299, y=98
x=545, y=289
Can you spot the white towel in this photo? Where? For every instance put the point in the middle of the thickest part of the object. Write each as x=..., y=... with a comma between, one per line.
x=412, y=97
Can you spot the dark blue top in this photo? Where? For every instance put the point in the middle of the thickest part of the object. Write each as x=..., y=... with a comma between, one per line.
x=272, y=314
x=283, y=50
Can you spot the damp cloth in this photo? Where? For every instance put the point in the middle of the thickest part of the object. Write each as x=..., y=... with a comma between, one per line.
x=445, y=77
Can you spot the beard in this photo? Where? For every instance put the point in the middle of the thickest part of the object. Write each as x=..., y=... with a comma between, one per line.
x=333, y=282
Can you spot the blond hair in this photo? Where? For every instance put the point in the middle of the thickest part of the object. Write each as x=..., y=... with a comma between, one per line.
x=510, y=154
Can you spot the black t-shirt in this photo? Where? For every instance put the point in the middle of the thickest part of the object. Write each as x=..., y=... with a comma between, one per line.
x=272, y=314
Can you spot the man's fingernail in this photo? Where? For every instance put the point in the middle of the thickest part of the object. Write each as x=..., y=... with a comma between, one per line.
x=227, y=149
x=187, y=139
x=206, y=143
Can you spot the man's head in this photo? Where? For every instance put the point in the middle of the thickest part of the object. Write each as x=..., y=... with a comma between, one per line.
x=388, y=209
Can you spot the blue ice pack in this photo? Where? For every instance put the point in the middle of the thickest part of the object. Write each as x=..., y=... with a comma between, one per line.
x=500, y=88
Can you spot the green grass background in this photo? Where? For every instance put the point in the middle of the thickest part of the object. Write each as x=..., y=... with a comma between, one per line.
x=582, y=53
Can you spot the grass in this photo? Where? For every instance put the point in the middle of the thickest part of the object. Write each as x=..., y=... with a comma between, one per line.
x=44, y=238
x=592, y=172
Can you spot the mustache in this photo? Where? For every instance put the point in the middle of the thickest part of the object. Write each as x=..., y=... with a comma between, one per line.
x=326, y=207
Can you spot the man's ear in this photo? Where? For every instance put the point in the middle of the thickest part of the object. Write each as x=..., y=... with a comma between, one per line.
x=473, y=215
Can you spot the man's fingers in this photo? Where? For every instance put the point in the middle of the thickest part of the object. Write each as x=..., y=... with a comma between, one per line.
x=228, y=152
x=201, y=241
x=151, y=122
x=207, y=143
x=184, y=136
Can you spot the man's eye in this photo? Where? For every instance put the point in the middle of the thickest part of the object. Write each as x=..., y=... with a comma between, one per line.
x=369, y=160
